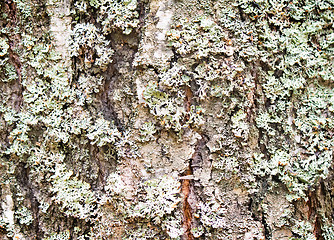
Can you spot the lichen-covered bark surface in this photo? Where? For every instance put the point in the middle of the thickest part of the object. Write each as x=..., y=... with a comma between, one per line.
x=176, y=119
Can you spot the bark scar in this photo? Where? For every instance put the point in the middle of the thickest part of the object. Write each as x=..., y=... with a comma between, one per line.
x=186, y=183
x=188, y=98
x=12, y=21
x=187, y=213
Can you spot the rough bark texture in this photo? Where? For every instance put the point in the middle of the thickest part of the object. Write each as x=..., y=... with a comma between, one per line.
x=176, y=119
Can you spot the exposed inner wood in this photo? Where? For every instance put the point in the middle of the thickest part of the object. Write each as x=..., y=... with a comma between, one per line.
x=187, y=212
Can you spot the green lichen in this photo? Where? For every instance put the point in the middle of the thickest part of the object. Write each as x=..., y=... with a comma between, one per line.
x=298, y=174
x=59, y=236
x=4, y=47
x=121, y=15
x=328, y=230
x=24, y=216
x=175, y=77
x=266, y=65
x=161, y=197
x=8, y=71
x=101, y=133
x=304, y=230
x=204, y=42
x=170, y=110
x=113, y=15
x=115, y=185
x=159, y=201
x=214, y=219
x=147, y=132
x=200, y=37
x=74, y=196
x=92, y=44
x=24, y=8
x=239, y=125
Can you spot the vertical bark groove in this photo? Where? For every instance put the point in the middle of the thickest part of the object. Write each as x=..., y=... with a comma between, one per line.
x=187, y=210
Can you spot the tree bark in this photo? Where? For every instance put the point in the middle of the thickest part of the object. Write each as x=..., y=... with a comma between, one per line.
x=177, y=119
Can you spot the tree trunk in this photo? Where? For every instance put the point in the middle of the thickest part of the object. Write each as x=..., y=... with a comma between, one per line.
x=176, y=119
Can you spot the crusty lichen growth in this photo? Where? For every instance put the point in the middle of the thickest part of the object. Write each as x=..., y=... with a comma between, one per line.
x=56, y=117
x=160, y=199
x=8, y=72
x=112, y=15
x=170, y=110
x=240, y=92
x=290, y=41
x=92, y=44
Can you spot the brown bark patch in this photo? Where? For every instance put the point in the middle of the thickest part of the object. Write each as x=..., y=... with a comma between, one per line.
x=187, y=213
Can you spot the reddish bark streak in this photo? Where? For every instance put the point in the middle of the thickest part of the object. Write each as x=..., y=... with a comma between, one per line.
x=188, y=98
x=13, y=41
x=12, y=22
x=187, y=213
x=15, y=60
x=313, y=215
